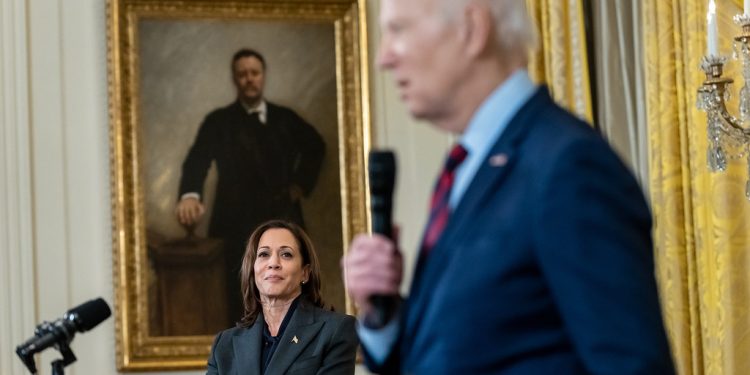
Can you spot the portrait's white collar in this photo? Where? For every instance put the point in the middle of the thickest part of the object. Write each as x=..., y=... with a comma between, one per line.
x=261, y=108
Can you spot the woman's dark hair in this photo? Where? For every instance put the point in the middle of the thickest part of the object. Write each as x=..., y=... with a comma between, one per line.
x=250, y=293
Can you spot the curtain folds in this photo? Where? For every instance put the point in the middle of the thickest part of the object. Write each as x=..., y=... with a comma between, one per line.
x=620, y=88
x=702, y=226
x=561, y=60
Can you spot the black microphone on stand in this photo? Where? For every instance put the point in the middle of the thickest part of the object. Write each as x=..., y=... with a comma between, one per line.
x=382, y=173
x=61, y=332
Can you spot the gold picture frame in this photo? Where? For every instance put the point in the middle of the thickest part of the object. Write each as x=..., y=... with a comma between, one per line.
x=132, y=134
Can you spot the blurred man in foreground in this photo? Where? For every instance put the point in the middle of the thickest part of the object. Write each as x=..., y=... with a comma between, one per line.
x=537, y=256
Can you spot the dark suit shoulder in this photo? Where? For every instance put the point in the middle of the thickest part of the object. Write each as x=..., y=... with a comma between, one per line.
x=221, y=114
x=279, y=108
x=281, y=114
x=553, y=129
x=558, y=126
x=326, y=315
x=335, y=317
x=227, y=334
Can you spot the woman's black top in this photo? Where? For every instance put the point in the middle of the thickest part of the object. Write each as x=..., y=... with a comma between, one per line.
x=270, y=343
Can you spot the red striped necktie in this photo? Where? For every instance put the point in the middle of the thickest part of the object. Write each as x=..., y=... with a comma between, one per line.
x=439, y=207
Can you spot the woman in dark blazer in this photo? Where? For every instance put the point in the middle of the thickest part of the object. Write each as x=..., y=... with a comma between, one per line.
x=284, y=329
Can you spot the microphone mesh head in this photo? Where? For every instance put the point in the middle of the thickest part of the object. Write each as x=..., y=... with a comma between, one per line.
x=89, y=314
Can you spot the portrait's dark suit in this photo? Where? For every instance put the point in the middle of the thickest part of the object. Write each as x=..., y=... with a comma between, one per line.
x=326, y=343
x=257, y=166
x=545, y=266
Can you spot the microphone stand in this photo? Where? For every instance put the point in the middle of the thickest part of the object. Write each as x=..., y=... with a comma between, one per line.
x=58, y=365
x=58, y=368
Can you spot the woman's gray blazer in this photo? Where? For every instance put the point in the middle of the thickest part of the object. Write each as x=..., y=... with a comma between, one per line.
x=316, y=341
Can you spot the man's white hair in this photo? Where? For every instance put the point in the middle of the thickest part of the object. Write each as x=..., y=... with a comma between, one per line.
x=514, y=29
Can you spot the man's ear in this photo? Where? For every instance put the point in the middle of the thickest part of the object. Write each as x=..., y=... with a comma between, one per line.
x=477, y=32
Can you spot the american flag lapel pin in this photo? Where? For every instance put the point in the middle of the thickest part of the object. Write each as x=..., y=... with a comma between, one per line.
x=498, y=160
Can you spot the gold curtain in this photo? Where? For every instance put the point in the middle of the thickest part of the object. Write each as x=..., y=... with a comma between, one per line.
x=561, y=60
x=701, y=218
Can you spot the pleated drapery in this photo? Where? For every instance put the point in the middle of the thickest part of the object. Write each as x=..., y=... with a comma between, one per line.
x=620, y=87
x=702, y=231
x=561, y=61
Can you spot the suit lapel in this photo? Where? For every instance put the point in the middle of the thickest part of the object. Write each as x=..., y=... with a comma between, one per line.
x=496, y=166
x=493, y=171
x=304, y=328
x=247, y=348
x=429, y=269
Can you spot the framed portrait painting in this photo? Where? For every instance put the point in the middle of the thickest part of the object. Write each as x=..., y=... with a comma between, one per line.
x=172, y=73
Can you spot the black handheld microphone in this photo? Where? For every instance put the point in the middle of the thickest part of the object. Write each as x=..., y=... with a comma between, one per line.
x=382, y=173
x=382, y=170
x=61, y=332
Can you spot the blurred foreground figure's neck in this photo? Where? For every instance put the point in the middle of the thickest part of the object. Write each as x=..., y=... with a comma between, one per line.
x=482, y=77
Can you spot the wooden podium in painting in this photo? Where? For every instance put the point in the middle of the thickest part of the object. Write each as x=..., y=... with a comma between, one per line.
x=187, y=292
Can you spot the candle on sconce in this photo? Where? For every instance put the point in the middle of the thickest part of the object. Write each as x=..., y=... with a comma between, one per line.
x=712, y=48
x=747, y=7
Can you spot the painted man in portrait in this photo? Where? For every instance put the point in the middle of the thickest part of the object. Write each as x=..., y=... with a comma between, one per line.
x=267, y=158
